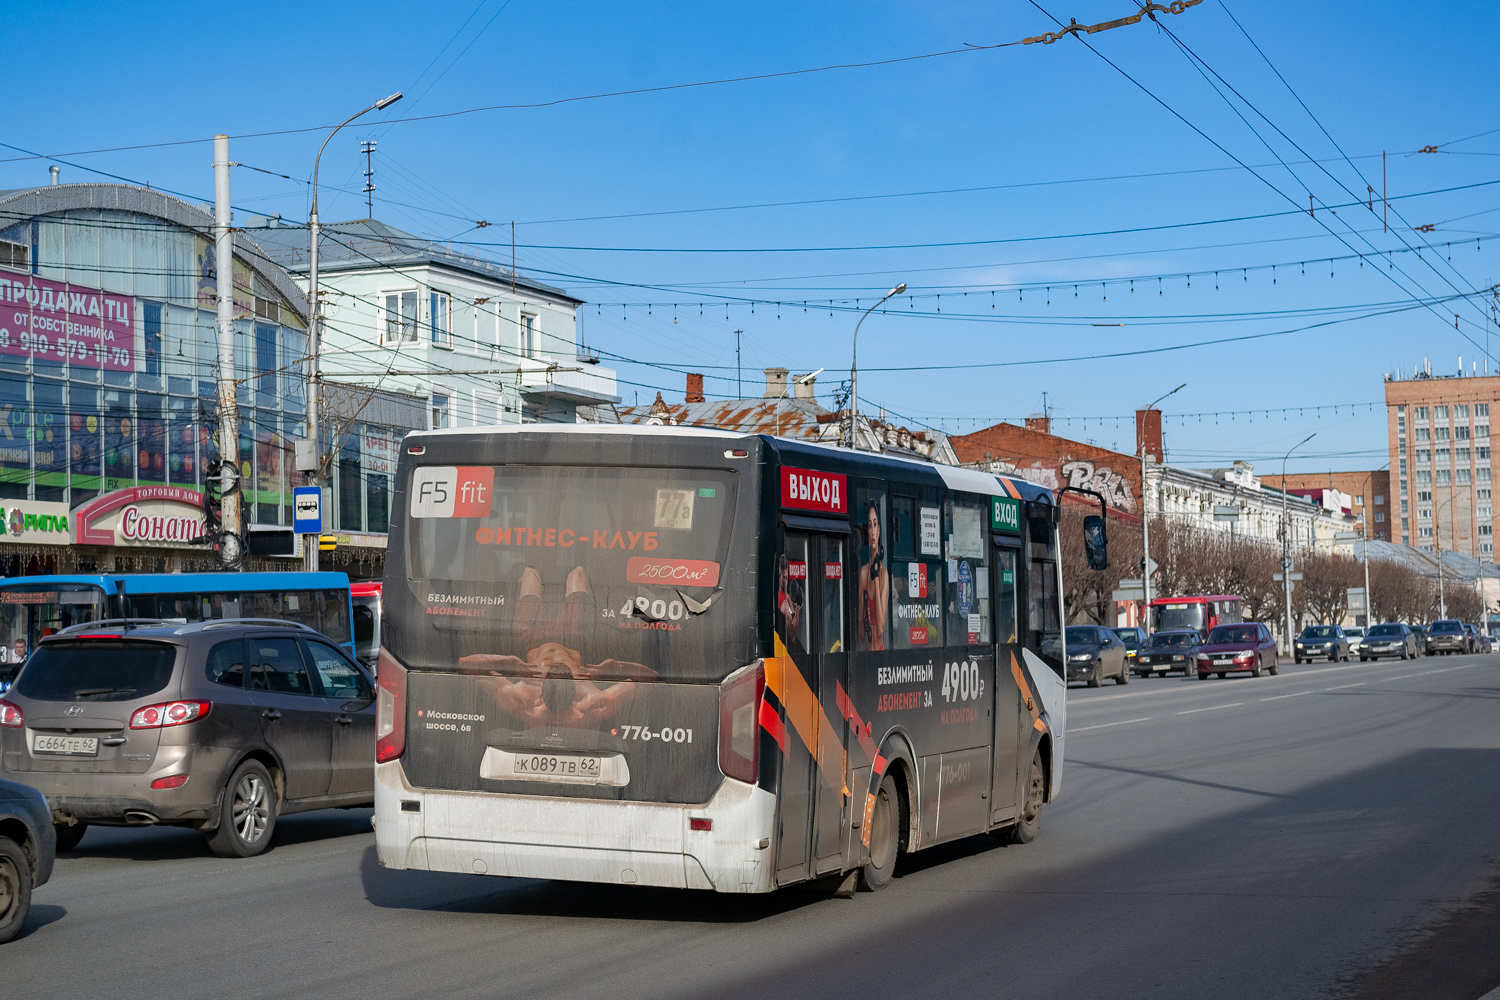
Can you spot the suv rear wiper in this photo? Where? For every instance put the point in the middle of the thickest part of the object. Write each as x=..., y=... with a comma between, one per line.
x=90, y=692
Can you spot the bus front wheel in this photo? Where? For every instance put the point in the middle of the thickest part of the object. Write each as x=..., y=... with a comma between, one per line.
x=1025, y=828
x=885, y=838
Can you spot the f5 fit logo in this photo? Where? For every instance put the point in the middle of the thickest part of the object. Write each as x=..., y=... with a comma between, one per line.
x=452, y=491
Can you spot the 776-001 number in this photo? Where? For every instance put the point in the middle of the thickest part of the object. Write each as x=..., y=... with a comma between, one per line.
x=666, y=734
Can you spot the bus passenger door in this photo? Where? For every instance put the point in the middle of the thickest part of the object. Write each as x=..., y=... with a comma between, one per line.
x=811, y=622
x=831, y=818
x=1012, y=718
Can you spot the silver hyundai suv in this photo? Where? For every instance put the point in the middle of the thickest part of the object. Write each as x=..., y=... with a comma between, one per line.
x=222, y=726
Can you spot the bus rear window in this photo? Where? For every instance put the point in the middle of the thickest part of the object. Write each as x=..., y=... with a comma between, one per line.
x=96, y=670
x=624, y=567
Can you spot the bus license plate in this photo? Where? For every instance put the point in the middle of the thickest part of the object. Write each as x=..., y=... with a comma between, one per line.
x=564, y=768
x=83, y=746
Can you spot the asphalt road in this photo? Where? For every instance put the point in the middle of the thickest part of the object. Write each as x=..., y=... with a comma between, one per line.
x=1271, y=837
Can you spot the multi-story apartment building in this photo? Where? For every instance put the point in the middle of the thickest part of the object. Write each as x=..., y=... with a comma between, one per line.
x=1439, y=438
x=1369, y=496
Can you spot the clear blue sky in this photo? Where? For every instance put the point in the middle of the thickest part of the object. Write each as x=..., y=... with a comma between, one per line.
x=1378, y=76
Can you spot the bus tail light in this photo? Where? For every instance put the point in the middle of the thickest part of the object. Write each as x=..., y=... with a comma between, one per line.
x=390, y=709
x=739, y=725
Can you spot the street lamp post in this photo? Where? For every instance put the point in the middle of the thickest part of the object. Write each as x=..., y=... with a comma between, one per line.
x=854, y=368
x=1146, y=513
x=1286, y=541
x=310, y=553
x=1437, y=550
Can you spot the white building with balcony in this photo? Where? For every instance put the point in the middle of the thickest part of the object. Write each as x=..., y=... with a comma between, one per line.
x=402, y=313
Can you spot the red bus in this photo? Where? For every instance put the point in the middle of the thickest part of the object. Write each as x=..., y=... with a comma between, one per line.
x=1196, y=611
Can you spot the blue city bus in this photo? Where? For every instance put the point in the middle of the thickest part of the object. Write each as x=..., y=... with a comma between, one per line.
x=35, y=606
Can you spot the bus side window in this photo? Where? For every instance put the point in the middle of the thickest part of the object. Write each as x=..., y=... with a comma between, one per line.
x=791, y=595
x=832, y=637
x=333, y=614
x=1005, y=595
x=1043, y=631
x=299, y=606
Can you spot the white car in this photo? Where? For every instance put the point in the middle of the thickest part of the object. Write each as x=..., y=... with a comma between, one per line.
x=1356, y=637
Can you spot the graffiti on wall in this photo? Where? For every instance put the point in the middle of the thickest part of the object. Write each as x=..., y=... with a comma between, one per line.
x=1102, y=479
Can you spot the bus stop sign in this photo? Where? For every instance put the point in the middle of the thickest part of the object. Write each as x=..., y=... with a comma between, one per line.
x=307, y=510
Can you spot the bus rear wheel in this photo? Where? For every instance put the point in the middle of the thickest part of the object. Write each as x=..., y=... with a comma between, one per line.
x=1024, y=830
x=885, y=838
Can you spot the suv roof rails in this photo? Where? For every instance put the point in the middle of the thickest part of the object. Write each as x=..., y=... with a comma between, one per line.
x=275, y=622
x=124, y=624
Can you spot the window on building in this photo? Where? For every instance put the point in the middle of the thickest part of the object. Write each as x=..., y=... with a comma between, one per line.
x=1484, y=494
x=1463, y=477
x=1424, y=531
x=1440, y=413
x=1405, y=525
x=1486, y=529
x=529, y=346
x=1482, y=453
x=1379, y=517
x=1400, y=424
x=1424, y=496
x=1481, y=409
x=1461, y=455
x=1485, y=510
x=1482, y=430
x=1461, y=412
x=440, y=411
x=1424, y=478
x=1461, y=432
x=440, y=316
x=1482, y=475
x=1380, y=499
x=1424, y=455
x=1486, y=547
x=378, y=500
x=399, y=324
x=1440, y=433
x=1442, y=456
x=1423, y=434
x=1421, y=413
x=151, y=335
x=1403, y=507
x=1423, y=514
x=1444, y=477
x=1359, y=501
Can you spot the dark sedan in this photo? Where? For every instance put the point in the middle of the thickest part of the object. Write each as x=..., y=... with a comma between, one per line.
x=1248, y=646
x=1327, y=641
x=1389, y=639
x=1168, y=650
x=1095, y=653
x=27, y=847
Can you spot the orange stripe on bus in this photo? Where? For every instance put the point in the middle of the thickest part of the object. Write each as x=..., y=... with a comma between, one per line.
x=807, y=717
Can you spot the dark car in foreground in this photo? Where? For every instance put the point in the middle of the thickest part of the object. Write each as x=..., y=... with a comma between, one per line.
x=27, y=849
x=1168, y=650
x=1449, y=636
x=1133, y=638
x=1247, y=646
x=1388, y=639
x=221, y=726
x=1326, y=641
x=1095, y=653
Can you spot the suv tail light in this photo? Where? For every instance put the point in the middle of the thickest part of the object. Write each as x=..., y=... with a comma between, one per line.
x=739, y=723
x=169, y=713
x=10, y=715
x=390, y=709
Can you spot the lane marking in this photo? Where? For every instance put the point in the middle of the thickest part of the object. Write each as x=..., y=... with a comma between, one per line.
x=1213, y=708
x=1106, y=725
x=1278, y=697
x=1341, y=687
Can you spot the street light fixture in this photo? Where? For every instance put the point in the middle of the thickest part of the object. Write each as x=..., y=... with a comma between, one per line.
x=1286, y=541
x=1145, y=512
x=310, y=558
x=854, y=367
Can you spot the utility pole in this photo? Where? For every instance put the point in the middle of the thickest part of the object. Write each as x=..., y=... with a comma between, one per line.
x=231, y=545
x=739, y=390
x=368, y=148
x=1286, y=541
x=1140, y=444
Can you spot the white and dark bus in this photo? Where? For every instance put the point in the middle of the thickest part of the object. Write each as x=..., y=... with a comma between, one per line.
x=690, y=658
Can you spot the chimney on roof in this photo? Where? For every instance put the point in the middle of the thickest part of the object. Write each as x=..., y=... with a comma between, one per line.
x=805, y=387
x=1148, y=434
x=694, y=388
x=1039, y=422
x=776, y=382
x=54, y=171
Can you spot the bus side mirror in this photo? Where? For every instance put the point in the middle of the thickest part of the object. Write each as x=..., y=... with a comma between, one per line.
x=1095, y=542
